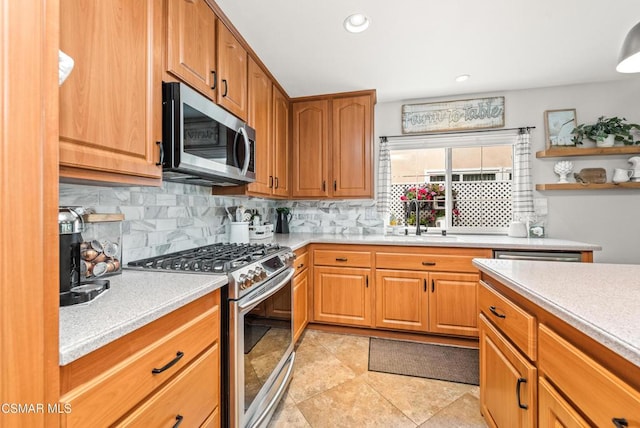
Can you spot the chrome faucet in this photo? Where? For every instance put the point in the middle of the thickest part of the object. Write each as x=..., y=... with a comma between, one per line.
x=418, y=232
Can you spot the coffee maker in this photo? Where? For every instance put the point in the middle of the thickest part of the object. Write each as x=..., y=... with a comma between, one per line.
x=72, y=289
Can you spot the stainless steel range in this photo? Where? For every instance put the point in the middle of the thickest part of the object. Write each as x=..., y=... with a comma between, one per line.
x=257, y=322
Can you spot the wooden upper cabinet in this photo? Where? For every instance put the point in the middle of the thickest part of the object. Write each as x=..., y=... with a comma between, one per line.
x=280, y=148
x=351, y=151
x=260, y=118
x=332, y=146
x=191, y=44
x=110, y=105
x=310, y=149
x=232, y=69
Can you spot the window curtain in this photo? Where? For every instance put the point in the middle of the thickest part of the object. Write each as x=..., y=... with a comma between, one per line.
x=522, y=188
x=384, y=178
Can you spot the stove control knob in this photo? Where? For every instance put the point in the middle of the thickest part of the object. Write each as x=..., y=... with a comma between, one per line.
x=242, y=281
x=260, y=273
x=251, y=276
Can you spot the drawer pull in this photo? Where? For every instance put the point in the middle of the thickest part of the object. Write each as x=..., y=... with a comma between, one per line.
x=520, y=381
x=496, y=313
x=428, y=263
x=620, y=422
x=301, y=265
x=179, y=355
x=341, y=259
x=179, y=419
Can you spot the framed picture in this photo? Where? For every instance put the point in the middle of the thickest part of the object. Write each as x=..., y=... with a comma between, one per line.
x=558, y=125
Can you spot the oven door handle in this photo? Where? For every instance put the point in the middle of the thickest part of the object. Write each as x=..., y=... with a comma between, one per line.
x=248, y=305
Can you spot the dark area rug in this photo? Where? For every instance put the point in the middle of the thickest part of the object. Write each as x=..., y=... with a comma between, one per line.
x=426, y=360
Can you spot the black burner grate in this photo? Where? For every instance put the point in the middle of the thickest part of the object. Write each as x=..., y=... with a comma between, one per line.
x=216, y=258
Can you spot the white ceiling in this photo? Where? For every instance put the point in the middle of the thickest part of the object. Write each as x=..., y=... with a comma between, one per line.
x=415, y=48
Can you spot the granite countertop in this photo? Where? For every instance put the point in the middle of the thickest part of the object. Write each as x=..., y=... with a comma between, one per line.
x=298, y=240
x=599, y=299
x=134, y=300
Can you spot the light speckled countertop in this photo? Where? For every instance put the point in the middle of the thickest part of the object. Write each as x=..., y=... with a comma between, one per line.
x=298, y=240
x=134, y=299
x=599, y=299
x=138, y=298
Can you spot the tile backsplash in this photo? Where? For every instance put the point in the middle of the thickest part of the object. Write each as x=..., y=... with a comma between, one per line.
x=175, y=217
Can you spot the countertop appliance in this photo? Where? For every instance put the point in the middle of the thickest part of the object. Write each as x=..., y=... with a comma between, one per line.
x=72, y=290
x=549, y=256
x=201, y=142
x=257, y=319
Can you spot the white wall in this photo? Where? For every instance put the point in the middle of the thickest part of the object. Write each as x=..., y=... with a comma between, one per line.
x=609, y=218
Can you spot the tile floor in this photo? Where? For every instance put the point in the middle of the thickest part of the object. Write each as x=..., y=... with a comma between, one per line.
x=331, y=387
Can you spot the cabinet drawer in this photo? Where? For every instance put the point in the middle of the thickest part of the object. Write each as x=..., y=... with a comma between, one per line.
x=110, y=395
x=599, y=394
x=518, y=325
x=441, y=260
x=554, y=411
x=342, y=258
x=190, y=397
x=301, y=262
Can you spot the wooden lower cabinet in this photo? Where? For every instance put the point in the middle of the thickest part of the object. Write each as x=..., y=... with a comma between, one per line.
x=402, y=300
x=153, y=375
x=453, y=303
x=343, y=295
x=434, y=302
x=554, y=411
x=508, y=381
x=300, y=303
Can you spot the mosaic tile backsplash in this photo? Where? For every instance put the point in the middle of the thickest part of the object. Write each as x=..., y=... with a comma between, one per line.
x=176, y=216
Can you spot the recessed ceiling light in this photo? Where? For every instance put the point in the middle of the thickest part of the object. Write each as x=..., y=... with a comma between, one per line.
x=462, y=77
x=356, y=23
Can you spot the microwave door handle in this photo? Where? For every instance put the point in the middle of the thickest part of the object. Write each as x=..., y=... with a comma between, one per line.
x=247, y=148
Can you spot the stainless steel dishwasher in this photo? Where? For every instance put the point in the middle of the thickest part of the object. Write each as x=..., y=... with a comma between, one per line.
x=549, y=256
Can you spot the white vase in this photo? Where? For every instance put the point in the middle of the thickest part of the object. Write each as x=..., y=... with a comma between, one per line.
x=607, y=142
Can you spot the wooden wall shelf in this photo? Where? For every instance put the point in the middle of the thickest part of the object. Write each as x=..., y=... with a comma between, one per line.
x=591, y=151
x=580, y=186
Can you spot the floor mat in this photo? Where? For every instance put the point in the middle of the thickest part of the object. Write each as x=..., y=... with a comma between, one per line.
x=450, y=363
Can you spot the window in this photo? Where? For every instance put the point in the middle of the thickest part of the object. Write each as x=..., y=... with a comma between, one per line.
x=463, y=186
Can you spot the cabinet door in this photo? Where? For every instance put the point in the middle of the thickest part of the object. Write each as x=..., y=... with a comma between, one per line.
x=507, y=382
x=342, y=295
x=300, y=303
x=453, y=304
x=110, y=106
x=259, y=117
x=191, y=44
x=280, y=164
x=554, y=411
x=402, y=300
x=310, y=149
x=232, y=66
x=351, y=151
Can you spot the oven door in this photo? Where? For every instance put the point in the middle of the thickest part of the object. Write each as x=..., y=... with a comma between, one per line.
x=261, y=350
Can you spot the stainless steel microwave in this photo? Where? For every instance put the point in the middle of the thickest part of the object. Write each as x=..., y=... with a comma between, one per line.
x=201, y=142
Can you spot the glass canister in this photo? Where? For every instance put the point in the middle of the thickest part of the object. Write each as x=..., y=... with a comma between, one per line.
x=101, y=247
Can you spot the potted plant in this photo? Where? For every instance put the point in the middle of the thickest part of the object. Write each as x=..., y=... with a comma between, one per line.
x=606, y=131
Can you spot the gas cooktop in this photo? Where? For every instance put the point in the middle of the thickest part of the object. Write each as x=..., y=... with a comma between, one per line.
x=247, y=266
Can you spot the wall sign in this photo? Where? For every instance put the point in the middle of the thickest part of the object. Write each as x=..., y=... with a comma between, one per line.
x=457, y=115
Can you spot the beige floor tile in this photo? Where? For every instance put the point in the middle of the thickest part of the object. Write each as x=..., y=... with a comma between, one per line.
x=418, y=398
x=316, y=370
x=287, y=415
x=352, y=404
x=462, y=413
x=351, y=350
